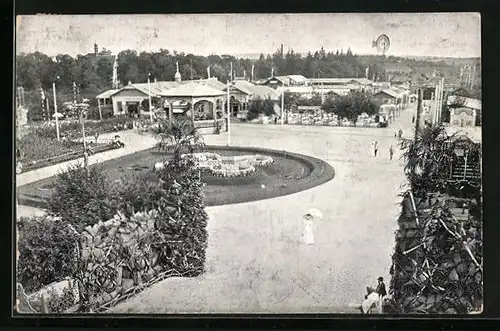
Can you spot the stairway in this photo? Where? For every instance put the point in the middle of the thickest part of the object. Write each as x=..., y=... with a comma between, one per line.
x=472, y=173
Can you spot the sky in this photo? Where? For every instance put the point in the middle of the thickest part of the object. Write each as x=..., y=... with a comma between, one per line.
x=411, y=34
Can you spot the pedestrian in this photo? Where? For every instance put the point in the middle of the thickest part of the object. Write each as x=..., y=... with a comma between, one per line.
x=395, y=134
x=371, y=301
x=400, y=133
x=375, y=149
x=307, y=233
x=413, y=119
x=308, y=218
x=391, y=152
x=275, y=119
x=381, y=292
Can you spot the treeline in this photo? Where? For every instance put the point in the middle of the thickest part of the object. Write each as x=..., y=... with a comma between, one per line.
x=94, y=73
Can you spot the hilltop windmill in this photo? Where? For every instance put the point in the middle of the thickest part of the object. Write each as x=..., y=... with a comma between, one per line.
x=382, y=44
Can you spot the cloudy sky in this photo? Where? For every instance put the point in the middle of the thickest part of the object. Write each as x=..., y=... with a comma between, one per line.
x=430, y=34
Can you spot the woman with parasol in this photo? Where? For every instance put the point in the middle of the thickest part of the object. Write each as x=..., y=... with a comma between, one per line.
x=308, y=218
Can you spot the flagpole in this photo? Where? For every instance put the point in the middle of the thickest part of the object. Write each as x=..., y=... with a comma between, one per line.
x=55, y=110
x=228, y=114
x=149, y=97
x=282, y=106
x=48, y=107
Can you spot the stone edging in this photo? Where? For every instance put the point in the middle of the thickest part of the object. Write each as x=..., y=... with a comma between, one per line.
x=321, y=172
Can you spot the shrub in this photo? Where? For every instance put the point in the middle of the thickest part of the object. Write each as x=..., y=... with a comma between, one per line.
x=80, y=198
x=137, y=194
x=47, y=251
x=181, y=222
x=55, y=303
x=38, y=147
x=179, y=136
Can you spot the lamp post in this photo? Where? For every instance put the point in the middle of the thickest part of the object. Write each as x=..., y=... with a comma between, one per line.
x=282, y=106
x=228, y=113
x=55, y=109
x=149, y=97
x=85, y=154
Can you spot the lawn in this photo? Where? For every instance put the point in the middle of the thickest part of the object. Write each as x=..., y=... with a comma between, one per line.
x=290, y=173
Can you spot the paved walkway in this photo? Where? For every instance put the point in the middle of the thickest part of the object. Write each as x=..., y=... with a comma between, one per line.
x=255, y=262
x=133, y=143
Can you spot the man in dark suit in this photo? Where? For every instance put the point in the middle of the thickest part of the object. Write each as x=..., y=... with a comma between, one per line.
x=381, y=292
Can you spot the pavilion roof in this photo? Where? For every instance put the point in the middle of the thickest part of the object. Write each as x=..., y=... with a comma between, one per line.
x=192, y=89
x=106, y=94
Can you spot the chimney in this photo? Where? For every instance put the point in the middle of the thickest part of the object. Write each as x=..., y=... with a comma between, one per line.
x=96, y=49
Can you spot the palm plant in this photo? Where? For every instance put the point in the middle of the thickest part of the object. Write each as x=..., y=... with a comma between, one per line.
x=428, y=159
x=178, y=136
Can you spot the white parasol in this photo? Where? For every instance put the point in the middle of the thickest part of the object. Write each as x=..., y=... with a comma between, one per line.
x=315, y=213
x=58, y=115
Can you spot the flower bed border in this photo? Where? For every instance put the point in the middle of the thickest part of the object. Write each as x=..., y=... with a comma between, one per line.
x=64, y=158
x=320, y=173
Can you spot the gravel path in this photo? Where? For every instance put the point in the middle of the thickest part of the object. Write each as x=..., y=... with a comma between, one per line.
x=255, y=262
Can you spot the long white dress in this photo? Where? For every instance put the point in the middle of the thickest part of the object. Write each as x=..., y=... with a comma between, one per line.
x=307, y=234
x=371, y=302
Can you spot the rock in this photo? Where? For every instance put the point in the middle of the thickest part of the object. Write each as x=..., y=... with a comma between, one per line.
x=98, y=300
x=112, y=232
x=453, y=275
x=447, y=264
x=115, y=293
x=457, y=258
x=462, y=268
x=127, y=284
x=106, y=297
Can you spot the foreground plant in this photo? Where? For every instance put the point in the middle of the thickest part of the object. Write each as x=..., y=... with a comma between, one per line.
x=178, y=136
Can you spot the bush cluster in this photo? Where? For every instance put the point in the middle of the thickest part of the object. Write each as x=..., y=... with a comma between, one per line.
x=35, y=147
x=182, y=219
x=73, y=129
x=84, y=197
x=47, y=251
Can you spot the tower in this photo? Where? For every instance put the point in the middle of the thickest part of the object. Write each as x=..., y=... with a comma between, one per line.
x=96, y=49
x=177, y=76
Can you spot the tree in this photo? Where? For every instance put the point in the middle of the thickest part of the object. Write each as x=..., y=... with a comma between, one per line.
x=351, y=106
x=128, y=69
x=104, y=71
x=105, y=52
x=178, y=136
x=260, y=106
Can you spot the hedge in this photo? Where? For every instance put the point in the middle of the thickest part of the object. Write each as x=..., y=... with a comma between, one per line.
x=125, y=252
x=47, y=251
x=437, y=264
